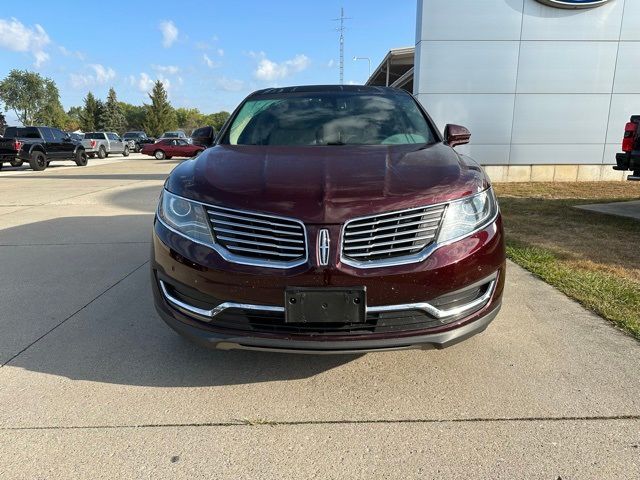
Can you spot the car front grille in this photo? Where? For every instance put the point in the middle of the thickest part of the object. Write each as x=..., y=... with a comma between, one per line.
x=264, y=238
x=391, y=236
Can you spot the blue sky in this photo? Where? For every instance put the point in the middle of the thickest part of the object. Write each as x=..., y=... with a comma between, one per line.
x=209, y=54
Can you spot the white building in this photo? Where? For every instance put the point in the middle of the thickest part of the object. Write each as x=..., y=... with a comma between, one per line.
x=545, y=91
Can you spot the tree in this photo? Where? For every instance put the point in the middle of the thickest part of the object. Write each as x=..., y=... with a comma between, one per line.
x=160, y=114
x=112, y=117
x=3, y=123
x=216, y=120
x=51, y=113
x=189, y=119
x=74, y=118
x=134, y=115
x=90, y=117
x=33, y=98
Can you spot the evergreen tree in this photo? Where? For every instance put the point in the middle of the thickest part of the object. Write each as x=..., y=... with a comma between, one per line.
x=90, y=116
x=161, y=116
x=3, y=123
x=112, y=117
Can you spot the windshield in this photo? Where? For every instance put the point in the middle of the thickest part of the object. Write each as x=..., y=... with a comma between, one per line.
x=330, y=118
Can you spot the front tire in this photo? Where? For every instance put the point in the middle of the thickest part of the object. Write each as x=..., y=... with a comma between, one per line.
x=102, y=153
x=126, y=152
x=16, y=163
x=81, y=158
x=38, y=161
x=159, y=154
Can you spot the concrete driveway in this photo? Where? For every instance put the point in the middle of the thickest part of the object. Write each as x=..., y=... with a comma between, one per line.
x=94, y=385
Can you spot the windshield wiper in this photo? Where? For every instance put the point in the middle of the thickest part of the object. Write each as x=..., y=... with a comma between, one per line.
x=339, y=143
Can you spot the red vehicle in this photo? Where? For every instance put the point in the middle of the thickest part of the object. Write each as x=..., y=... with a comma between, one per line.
x=171, y=147
x=329, y=219
x=629, y=159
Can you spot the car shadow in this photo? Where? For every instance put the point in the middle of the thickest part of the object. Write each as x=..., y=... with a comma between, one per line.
x=94, y=319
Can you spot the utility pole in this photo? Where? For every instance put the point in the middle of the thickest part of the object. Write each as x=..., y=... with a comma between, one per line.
x=341, y=30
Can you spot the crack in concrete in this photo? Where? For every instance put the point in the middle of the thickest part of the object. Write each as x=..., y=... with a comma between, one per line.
x=258, y=423
x=74, y=314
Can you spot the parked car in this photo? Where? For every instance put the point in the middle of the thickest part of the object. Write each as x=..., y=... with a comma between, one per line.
x=629, y=159
x=329, y=219
x=76, y=137
x=139, y=138
x=203, y=136
x=168, y=148
x=104, y=143
x=39, y=146
x=175, y=134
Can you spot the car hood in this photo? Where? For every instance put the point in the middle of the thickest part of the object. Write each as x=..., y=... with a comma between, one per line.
x=327, y=184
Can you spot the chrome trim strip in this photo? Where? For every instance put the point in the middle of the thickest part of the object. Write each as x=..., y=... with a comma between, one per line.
x=436, y=312
x=240, y=259
x=427, y=251
x=209, y=315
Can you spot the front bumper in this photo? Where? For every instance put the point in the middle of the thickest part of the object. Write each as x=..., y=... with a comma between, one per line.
x=204, y=275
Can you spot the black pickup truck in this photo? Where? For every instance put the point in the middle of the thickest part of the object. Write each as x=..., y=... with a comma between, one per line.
x=629, y=159
x=39, y=146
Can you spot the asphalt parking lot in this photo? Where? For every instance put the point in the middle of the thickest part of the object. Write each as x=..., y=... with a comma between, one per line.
x=94, y=385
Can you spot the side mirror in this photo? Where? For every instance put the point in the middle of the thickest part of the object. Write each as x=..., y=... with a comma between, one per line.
x=455, y=135
x=204, y=136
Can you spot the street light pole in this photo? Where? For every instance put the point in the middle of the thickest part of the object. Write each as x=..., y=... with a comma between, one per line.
x=368, y=61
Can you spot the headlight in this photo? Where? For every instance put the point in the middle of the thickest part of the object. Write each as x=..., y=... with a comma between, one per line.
x=465, y=216
x=188, y=218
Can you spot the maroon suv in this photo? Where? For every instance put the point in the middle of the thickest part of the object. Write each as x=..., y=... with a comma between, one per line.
x=329, y=219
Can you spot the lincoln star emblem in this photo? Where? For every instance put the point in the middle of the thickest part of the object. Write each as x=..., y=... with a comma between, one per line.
x=323, y=246
x=574, y=3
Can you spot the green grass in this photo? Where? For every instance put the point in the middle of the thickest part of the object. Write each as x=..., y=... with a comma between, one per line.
x=610, y=296
x=590, y=257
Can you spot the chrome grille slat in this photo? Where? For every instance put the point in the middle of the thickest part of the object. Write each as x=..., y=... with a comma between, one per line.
x=255, y=250
x=392, y=242
x=261, y=244
x=390, y=227
x=258, y=239
x=254, y=227
x=392, y=236
x=388, y=235
x=378, y=222
x=257, y=235
x=388, y=250
x=249, y=219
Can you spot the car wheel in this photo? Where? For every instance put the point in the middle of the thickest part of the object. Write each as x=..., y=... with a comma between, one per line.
x=102, y=153
x=16, y=163
x=0, y=165
x=81, y=158
x=126, y=152
x=38, y=161
x=159, y=154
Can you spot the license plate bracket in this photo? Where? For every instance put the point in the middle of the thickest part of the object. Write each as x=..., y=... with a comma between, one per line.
x=325, y=305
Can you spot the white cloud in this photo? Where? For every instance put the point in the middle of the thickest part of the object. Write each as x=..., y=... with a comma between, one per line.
x=17, y=37
x=169, y=33
x=210, y=63
x=229, y=84
x=269, y=70
x=168, y=69
x=68, y=53
x=331, y=63
x=100, y=76
x=221, y=52
x=145, y=82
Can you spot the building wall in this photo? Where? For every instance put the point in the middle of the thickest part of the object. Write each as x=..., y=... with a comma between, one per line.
x=536, y=85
